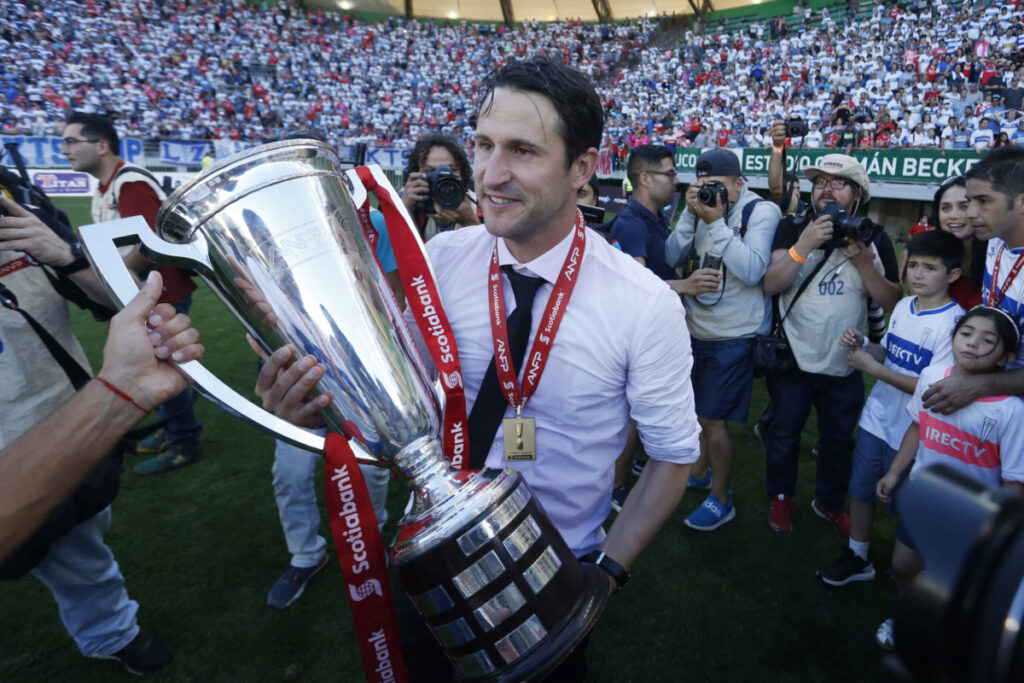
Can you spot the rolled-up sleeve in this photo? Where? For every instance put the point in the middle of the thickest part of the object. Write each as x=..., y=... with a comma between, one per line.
x=658, y=382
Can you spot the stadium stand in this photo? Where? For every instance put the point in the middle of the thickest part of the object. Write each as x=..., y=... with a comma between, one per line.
x=912, y=74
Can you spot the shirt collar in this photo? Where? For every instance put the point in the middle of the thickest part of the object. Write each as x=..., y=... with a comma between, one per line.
x=548, y=265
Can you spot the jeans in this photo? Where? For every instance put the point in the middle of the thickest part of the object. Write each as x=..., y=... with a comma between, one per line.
x=81, y=572
x=838, y=402
x=183, y=428
x=294, y=473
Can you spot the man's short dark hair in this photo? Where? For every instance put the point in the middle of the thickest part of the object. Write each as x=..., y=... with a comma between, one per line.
x=1004, y=168
x=939, y=244
x=645, y=158
x=580, y=114
x=96, y=127
x=419, y=152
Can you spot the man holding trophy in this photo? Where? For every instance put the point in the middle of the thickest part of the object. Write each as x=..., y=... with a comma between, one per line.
x=611, y=349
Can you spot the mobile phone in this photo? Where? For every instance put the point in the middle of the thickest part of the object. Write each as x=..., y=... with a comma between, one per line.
x=713, y=261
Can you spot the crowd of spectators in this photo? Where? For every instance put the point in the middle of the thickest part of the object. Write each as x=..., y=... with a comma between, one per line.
x=227, y=69
x=932, y=75
x=935, y=75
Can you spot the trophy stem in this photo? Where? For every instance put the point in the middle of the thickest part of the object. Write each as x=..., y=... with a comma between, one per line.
x=428, y=471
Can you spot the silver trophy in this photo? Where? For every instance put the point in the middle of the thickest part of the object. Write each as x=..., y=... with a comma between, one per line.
x=275, y=232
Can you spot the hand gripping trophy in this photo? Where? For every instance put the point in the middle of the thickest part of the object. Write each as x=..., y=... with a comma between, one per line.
x=278, y=233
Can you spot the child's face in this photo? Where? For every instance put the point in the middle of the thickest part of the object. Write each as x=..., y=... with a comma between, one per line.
x=977, y=347
x=927, y=276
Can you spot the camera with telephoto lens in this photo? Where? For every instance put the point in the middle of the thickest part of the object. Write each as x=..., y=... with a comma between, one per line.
x=846, y=226
x=959, y=620
x=446, y=191
x=796, y=128
x=711, y=189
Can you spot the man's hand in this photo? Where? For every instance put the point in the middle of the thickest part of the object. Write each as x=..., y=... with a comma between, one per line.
x=814, y=235
x=778, y=133
x=702, y=281
x=21, y=230
x=462, y=216
x=952, y=393
x=285, y=387
x=416, y=189
x=143, y=338
x=708, y=214
x=860, y=254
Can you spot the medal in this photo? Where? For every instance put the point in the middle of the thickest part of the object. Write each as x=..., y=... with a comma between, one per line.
x=520, y=437
x=520, y=433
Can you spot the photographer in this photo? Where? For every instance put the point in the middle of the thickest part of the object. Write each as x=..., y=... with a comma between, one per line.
x=824, y=276
x=431, y=204
x=729, y=230
x=42, y=365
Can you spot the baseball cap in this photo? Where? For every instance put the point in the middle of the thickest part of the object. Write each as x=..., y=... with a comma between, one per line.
x=841, y=166
x=718, y=162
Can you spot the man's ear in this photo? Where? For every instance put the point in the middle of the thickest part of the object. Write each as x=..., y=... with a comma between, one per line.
x=103, y=147
x=583, y=168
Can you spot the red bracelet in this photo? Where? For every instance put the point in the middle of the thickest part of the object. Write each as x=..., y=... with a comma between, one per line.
x=120, y=393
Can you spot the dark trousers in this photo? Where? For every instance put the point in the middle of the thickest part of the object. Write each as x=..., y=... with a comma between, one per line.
x=838, y=402
x=427, y=663
x=183, y=427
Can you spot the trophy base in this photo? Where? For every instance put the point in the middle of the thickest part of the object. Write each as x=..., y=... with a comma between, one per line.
x=495, y=582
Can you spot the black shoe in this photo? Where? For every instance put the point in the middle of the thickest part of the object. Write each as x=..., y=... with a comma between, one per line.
x=847, y=569
x=146, y=654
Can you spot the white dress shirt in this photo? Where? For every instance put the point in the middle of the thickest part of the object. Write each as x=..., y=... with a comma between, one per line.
x=622, y=351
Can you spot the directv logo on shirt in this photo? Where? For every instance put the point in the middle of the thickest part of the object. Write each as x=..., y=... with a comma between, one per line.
x=907, y=355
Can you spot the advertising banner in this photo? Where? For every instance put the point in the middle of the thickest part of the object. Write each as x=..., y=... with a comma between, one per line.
x=921, y=166
x=45, y=151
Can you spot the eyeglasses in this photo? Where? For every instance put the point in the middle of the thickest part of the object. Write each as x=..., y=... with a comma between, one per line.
x=834, y=183
x=667, y=174
x=67, y=142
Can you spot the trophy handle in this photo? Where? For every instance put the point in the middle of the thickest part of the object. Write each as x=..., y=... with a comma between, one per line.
x=101, y=244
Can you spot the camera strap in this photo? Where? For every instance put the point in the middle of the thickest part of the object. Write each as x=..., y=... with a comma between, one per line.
x=803, y=286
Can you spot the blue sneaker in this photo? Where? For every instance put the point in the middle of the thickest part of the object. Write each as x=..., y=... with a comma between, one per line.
x=712, y=514
x=703, y=483
x=289, y=587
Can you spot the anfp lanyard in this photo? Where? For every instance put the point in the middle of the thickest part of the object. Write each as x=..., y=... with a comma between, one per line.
x=995, y=292
x=558, y=301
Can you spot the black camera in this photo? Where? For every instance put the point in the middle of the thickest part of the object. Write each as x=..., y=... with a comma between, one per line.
x=846, y=226
x=710, y=190
x=446, y=191
x=796, y=128
x=592, y=215
x=959, y=620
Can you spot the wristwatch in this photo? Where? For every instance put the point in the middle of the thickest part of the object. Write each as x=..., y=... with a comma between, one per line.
x=78, y=260
x=610, y=566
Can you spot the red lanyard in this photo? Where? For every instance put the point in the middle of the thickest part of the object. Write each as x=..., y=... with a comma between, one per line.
x=558, y=301
x=422, y=298
x=995, y=294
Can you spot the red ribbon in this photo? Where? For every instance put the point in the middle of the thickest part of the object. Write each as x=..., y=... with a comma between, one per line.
x=558, y=301
x=995, y=293
x=422, y=297
x=361, y=556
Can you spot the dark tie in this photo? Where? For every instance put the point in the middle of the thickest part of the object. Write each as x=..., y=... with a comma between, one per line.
x=490, y=404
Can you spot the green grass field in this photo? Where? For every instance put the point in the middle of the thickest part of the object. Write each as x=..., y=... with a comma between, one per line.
x=200, y=548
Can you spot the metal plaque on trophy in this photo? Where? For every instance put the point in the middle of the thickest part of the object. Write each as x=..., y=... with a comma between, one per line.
x=275, y=232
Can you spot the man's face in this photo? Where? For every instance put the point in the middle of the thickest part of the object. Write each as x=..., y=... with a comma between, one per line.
x=438, y=157
x=990, y=213
x=661, y=182
x=734, y=184
x=823, y=192
x=83, y=154
x=526, y=192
